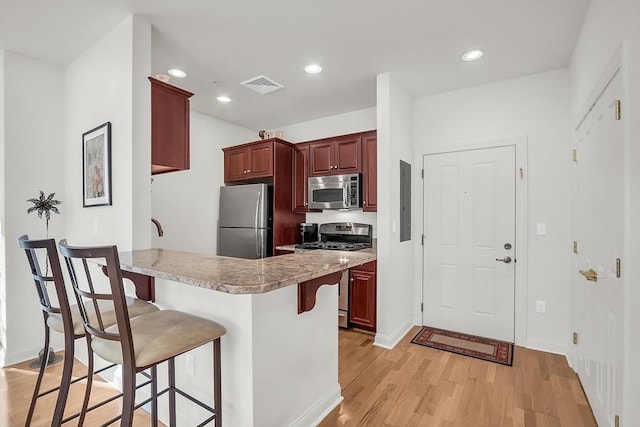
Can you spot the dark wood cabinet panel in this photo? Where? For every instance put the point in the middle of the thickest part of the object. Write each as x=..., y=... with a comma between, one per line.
x=362, y=297
x=235, y=165
x=300, y=179
x=260, y=160
x=169, y=127
x=248, y=162
x=347, y=154
x=370, y=172
x=335, y=156
x=321, y=158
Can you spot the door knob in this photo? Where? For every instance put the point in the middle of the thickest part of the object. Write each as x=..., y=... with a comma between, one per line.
x=506, y=259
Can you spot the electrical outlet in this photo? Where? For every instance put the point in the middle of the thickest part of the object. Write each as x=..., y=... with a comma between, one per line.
x=190, y=364
x=540, y=306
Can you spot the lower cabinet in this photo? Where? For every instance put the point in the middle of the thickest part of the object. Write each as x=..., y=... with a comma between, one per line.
x=362, y=296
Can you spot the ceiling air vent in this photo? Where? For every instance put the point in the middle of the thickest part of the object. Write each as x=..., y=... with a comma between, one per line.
x=262, y=84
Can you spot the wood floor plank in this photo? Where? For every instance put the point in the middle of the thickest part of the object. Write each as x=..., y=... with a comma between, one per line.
x=410, y=385
x=413, y=385
x=17, y=383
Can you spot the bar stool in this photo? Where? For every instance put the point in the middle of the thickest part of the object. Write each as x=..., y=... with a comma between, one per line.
x=142, y=342
x=64, y=318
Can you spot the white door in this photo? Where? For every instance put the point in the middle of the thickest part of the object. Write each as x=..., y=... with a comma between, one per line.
x=600, y=223
x=469, y=253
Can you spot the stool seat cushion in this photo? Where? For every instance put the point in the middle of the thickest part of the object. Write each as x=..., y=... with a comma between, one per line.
x=160, y=336
x=135, y=307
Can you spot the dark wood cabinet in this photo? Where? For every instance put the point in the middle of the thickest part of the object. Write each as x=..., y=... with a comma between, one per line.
x=332, y=156
x=370, y=172
x=270, y=162
x=169, y=127
x=300, y=200
x=362, y=296
x=248, y=162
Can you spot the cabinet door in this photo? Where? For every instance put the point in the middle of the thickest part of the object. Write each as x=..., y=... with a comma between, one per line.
x=169, y=127
x=300, y=177
x=321, y=158
x=235, y=161
x=260, y=160
x=362, y=299
x=369, y=172
x=347, y=155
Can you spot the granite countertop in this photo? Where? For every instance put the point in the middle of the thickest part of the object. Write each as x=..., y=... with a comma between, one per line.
x=238, y=275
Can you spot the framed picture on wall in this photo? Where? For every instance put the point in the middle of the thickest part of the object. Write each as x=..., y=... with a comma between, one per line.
x=96, y=166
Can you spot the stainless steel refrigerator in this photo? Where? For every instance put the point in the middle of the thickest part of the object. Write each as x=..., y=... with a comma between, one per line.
x=244, y=224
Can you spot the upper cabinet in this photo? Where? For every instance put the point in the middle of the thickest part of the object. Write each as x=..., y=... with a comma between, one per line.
x=332, y=156
x=300, y=178
x=370, y=172
x=248, y=161
x=169, y=127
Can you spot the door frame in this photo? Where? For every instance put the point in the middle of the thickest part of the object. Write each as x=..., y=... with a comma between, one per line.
x=521, y=221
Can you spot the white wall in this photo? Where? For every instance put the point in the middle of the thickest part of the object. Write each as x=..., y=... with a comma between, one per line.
x=607, y=26
x=186, y=202
x=340, y=124
x=106, y=84
x=33, y=159
x=537, y=107
x=395, y=271
x=3, y=265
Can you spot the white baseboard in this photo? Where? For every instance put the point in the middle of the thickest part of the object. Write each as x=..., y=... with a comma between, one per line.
x=390, y=341
x=31, y=352
x=571, y=357
x=548, y=346
x=320, y=409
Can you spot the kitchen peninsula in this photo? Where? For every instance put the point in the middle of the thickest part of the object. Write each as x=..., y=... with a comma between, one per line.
x=279, y=364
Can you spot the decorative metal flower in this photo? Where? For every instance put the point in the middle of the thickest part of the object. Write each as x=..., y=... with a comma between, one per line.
x=44, y=205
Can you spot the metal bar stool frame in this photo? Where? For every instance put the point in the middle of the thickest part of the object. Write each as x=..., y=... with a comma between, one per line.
x=63, y=308
x=118, y=343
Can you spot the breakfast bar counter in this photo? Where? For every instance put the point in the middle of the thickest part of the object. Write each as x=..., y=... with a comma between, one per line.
x=238, y=275
x=279, y=362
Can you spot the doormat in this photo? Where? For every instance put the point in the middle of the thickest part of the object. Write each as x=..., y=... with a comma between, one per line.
x=467, y=345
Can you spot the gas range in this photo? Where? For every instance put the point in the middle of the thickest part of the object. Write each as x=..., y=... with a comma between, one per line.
x=334, y=246
x=342, y=236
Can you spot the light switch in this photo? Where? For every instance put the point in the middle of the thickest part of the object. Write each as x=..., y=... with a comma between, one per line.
x=541, y=229
x=541, y=307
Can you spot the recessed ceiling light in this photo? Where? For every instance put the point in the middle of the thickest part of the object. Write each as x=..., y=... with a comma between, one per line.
x=313, y=68
x=177, y=73
x=472, y=55
x=223, y=98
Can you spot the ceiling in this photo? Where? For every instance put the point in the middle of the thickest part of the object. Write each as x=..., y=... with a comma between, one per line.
x=221, y=43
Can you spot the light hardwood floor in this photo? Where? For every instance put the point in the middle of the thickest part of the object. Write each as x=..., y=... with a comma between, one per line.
x=16, y=388
x=410, y=385
x=414, y=385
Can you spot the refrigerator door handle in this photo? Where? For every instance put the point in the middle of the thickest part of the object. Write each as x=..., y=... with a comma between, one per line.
x=258, y=245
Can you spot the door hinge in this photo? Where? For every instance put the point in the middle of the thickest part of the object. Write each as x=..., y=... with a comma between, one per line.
x=422, y=307
x=618, y=110
x=422, y=173
x=617, y=421
x=574, y=155
x=422, y=240
x=618, y=268
x=575, y=338
x=575, y=247
x=521, y=173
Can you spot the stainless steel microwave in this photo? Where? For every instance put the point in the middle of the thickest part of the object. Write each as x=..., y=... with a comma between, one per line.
x=335, y=192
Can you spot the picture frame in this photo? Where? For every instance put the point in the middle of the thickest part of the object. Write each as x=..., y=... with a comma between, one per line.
x=96, y=166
